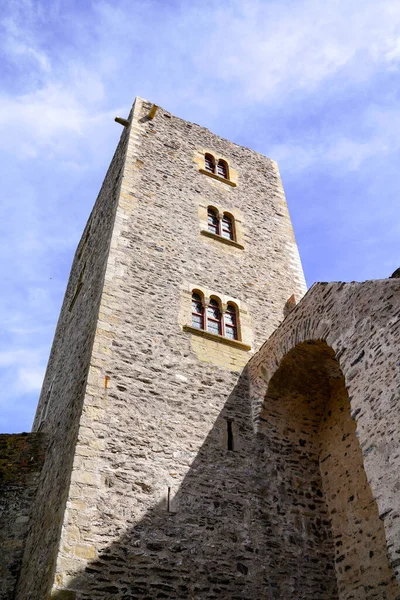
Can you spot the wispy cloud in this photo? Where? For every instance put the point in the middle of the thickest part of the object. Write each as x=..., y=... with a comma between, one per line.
x=312, y=84
x=49, y=119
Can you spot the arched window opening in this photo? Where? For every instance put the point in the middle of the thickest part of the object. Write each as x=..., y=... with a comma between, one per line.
x=197, y=311
x=214, y=317
x=209, y=163
x=213, y=221
x=230, y=322
x=209, y=317
x=222, y=169
x=227, y=227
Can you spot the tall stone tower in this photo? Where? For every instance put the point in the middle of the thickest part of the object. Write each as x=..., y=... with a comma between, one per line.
x=184, y=269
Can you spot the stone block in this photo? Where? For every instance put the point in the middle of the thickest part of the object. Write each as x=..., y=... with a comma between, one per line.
x=85, y=551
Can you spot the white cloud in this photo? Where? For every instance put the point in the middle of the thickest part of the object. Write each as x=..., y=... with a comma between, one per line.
x=22, y=49
x=347, y=153
x=271, y=49
x=261, y=51
x=377, y=134
x=70, y=67
x=30, y=379
x=22, y=371
x=49, y=117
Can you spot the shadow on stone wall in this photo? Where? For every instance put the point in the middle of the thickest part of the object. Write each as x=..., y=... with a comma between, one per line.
x=306, y=412
x=248, y=523
x=21, y=461
x=209, y=543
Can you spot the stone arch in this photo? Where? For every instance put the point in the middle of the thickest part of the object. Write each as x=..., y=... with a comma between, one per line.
x=335, y=541
x=360, y=323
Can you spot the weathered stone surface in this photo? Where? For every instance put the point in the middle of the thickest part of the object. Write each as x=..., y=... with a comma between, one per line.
x=21, y=460
x=336, y=354
x=172, y=472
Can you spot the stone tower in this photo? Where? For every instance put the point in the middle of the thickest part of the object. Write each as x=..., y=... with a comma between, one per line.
x=144, y=448
x=177, y=452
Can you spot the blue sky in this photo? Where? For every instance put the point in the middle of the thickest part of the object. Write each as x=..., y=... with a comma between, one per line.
x=311, y=84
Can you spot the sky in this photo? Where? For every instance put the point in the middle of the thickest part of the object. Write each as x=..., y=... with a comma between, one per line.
x=314, y=85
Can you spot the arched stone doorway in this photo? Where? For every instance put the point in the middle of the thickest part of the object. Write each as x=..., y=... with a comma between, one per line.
x=335, y=545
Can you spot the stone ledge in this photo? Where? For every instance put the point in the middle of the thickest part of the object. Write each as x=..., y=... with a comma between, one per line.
x=214, y=176
x=217, y=338
x=215, y=236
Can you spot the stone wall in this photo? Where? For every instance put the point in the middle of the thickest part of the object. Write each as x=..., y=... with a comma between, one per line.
x=21, y=460
x=362, y=566
x=293, y=496
x=358, y=324
x=289, y=509
x=152, y=410
x=60, y=404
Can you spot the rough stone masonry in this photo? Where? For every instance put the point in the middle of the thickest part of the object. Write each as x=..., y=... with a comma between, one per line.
x=183, y=464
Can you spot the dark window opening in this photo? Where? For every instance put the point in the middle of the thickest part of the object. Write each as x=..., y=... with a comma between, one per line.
x=230, y=435
x=222, y=169
x=230, y=322
x=212, y=221
x=214, y=317
x=218, y=167
x=209, y=163
x=197, y=312
x=227, y=227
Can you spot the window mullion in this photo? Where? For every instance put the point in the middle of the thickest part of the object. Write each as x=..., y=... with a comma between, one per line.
x=220, y=217
x=223, y=321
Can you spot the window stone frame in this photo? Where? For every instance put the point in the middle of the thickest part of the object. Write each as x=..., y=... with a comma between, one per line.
x=200, y=161
x=238, y=242
x=245, y=335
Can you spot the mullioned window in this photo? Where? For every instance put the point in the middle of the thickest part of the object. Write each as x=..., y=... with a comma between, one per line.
x=222, y=225
x=217, y=168
x=213, y=317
